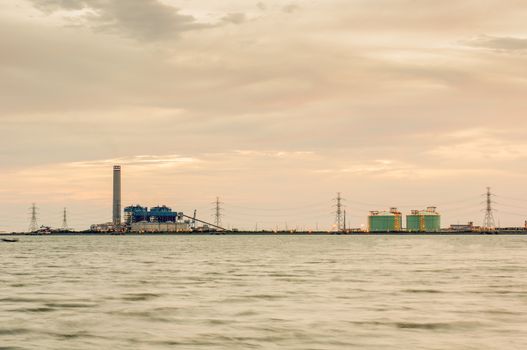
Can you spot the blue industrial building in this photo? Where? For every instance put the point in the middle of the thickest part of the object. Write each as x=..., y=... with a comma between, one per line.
x=137, y=213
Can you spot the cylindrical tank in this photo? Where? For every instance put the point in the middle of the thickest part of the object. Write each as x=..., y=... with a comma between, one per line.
x=427, y=220
x=385, y=221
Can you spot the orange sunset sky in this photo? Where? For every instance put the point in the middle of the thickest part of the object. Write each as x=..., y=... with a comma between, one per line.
x=274, y=106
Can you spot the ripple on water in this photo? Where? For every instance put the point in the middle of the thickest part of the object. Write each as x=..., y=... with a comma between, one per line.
x=70, y=305
x=458, y=326
x=22, y=300
x=140, y=296
x=34, y=309
x=265, y=296
x=426, y=291
x=73, y=335
x=13, y=331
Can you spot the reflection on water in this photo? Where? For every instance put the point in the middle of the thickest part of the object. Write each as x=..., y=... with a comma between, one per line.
x=280, y=292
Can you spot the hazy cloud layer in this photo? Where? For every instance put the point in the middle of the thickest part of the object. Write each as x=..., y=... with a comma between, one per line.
x=268, y=104
x=144, y=20
x=291, y=8
x=498, y=43
x=236, y=18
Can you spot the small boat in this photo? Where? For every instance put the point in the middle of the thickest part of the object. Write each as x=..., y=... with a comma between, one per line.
x=9, y=240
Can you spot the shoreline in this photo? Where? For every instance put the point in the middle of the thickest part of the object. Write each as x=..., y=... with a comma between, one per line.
x=250, y=233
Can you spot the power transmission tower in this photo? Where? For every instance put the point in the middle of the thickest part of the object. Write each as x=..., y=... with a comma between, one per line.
x=218, y=212
x=489, y=223
x=339, y=213
x=65, y=220
x=33, y=225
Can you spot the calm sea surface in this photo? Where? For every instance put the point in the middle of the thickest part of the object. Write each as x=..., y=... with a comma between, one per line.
x=265, y=292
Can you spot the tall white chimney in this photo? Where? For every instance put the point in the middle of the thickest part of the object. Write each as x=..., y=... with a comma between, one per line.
x=117, y=195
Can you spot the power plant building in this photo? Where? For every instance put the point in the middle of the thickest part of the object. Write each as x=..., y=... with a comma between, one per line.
x=427, y=220
x=159, y=227
x=156, y=219
x=385, y=221
x=137, y=213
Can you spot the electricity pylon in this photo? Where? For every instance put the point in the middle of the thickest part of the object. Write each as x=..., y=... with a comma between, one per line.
x=217, y=212
x=65, y=220
x=33, y=224
x=339, y=213
x=489, y=223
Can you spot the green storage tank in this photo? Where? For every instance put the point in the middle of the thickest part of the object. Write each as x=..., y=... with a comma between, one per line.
x=385, y=221
x=427, y=220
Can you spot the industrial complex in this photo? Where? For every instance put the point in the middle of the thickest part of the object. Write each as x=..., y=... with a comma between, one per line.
x=140, y=219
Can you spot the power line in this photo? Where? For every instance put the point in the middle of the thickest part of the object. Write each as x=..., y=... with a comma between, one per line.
x=360, y=204
x=320, y=204
x=512, y=198
x=510, y=206
x=513, y=214
x=276, y=215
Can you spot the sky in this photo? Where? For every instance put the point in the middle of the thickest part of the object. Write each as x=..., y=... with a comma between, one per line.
x=273, y=106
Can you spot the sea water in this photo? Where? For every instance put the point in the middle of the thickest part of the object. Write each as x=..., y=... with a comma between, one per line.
x=264, y=292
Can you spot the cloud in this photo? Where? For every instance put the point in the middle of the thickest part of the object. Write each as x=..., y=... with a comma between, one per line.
x=378, y=167
x=473, y=145
x=274, y=154
x=235, y=18
x=291, y=8
x=50, y=6
x=397, y=170
x=140, y=160
x=497, y=43
x=147, y=20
